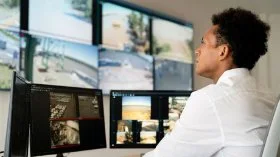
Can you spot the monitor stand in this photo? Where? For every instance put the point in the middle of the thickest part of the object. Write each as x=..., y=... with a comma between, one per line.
x=59, y=155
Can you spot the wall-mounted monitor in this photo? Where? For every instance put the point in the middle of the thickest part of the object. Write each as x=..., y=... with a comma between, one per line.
x=59, y=62
x=173, y=52
x=125, y=70
x=10, y=14
x=140, y=119
x=9, y=57
x=125, y=29
x=65, y=119
x=69, y=19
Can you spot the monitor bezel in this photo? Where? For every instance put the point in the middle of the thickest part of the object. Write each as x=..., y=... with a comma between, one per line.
x=11, y=117
x=71, y=149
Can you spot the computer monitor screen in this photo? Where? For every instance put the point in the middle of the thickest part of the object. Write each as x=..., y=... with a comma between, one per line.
x=18, y=119
x=140, y=119
x=120, y=70
x=9, y=57
x=10, y=14
x=59, y=62
x=173, y=51
x=125, y=29
x=70, y=19
x=66, y=119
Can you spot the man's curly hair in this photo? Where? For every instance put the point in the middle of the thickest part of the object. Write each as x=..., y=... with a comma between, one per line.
x=245, y=34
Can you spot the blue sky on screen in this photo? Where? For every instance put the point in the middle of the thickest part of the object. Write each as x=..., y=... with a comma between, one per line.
x=136, y=100
x=109, y=8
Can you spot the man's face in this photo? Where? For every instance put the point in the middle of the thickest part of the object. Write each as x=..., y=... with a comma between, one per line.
x=207, y=54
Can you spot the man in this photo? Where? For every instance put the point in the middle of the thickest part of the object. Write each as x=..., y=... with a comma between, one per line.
x=228, y=118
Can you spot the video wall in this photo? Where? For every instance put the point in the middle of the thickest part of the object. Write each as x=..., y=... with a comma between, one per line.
x=142, y=118
x=103, y=44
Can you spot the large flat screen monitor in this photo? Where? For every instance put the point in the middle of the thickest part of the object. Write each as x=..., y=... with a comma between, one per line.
x=66, y=119
x=120, y=70
x=69, y=19
x=9, y=56
x=10, y=14
x=18, y=119
x=140, y=119
x=125, y=29
x=173, y=52
x=60, y=62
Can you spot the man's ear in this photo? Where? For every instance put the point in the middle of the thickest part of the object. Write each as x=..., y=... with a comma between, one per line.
x=224, y=52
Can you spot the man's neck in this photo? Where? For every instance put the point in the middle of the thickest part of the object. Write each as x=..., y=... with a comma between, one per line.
x=220, y=72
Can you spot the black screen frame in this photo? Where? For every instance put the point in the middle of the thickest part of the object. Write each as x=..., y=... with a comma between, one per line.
x=33, y=124
x=14, y=137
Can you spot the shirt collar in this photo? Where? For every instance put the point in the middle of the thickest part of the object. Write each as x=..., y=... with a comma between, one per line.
x=229, y=75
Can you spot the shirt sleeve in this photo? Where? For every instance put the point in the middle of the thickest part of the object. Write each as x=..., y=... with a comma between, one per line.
x=196, y=134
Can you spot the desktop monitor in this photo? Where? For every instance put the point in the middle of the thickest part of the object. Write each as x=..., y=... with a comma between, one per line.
x=65, y=119
x=18, y=119
x=140, y=119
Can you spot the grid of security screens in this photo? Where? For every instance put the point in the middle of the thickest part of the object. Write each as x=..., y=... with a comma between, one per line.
x=139, y=52
x=66, y=119
x=105, y=44
x=140, y=119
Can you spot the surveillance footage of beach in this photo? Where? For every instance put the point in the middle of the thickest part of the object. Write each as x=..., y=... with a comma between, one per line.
x=9, y=56
x=173, y=55
x=124, y=63
x=45, y=16
x=56, y=62
x=136, y=108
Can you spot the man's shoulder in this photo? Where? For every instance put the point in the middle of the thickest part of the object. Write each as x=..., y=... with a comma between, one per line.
x=211, y=91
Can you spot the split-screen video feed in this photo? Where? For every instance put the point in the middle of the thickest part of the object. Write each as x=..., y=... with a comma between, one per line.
x=64, y=131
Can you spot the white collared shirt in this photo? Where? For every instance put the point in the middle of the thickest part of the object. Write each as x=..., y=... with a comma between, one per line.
x=226, y=119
